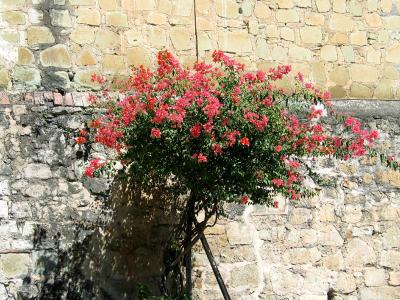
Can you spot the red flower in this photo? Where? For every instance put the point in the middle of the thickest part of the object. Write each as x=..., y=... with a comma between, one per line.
x=195, y=131
x=276, y=204
x=245, y=142
x=278, y=148
x=245, y=199
x=89, y=171
x=155, y=133
x=80, y=140
x=217, y=149
x=201, y=158
x=277, y=182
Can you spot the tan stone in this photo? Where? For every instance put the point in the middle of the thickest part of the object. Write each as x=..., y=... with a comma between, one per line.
x=4, y=79
x=391, y=177
x=300, y=53
x=284, y=281
x=311, y=34
x=204, y=24
x=390, y=72
x=374, y=56
x=108, y=4
x=204, y=42
x=358, y=38
x=15, y=265
x=238, y=234
x=84, y=78
x=25, y=56
x=14, y=17
x=262, y=50
x=333, y=261
x=287, y=16
x=106, y=39
x=56, y=56
x=339, y=6
x=394, y=278
x=358, y=254
x=27, y=76
x=315, y=19
x=303, y=3
x=323, y=5
x=272, y=31
x=226, y=8
x=342, y=23
x=235, y=42
x=145, y=4
x=245, y=276
x=60, y=18
x=287, y=34
x=86, y=58
x=285, y=3
x=386, y=6
x=247, y=8
x=279, y=53
x=181, y=39
x=340, y=75
x=339, y=38
x=203, y=6
x=116, y=19
x=373, y=20
x=82, y=35
x=13, y=2
x=352, y=214
x=113, y=63
x=355, y=8
x=318, y=74
x=390, y=259
x=329, y=236
x=134, y=37
x=262, y=11
x=303, y=255
x=83, y=2
x=393, y=54
x=300, y=216
x=329, y=53
x=38, y=35
x=345, y=283
x=372, y=5
x=363, y=73
x=137, y=56
x=88, y=16
x=183, y=8
x=156, y=18
x=157, y=37
x=10, y=36
x=382, y=292
x=360, y=91
x=348, y=53
x=165, y=7
x=392, y=22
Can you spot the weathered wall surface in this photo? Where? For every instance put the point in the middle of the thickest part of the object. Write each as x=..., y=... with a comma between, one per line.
x=61, y=237
x=351, y=48
x=343, y=243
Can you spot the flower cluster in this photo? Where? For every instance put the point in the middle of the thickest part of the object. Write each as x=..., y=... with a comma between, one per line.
x=229, y=134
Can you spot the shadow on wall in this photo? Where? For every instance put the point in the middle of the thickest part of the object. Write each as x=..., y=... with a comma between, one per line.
x=108, y=260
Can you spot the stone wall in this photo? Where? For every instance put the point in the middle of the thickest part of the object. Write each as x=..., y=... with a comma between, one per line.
x=351, y=48
x=63, y=237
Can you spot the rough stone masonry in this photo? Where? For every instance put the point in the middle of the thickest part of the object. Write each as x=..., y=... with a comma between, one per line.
x=62, y=238
x=351, y=47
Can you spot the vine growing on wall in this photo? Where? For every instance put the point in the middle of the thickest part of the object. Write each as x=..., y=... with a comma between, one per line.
x=221, y=134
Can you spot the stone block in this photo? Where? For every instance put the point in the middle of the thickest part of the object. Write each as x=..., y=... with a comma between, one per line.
x=38, y=35
x=384, y=89
x=287, y=16
x=300, y=53
x=14, y=17
x=345, y=283
x=227, y=8
x=5, y=81
x=363, y=73
x=329, y=236
x=82, y=35
x=246, y=275
x=83, y=2
x=107, y=39
x=86, y=58
x=339, y=6
x=56, y=56
x=358, y=38
x=84, y=78
x=40, y=171
x=393, y=53
x=311, y=34
x=340, y=75
x=375, y=277
x=116, y=19
x=156, y=18
x=372, y=5
x=358, y=254
x=333, y=261
x=360, y=91
x=262, y=11
x=348, y=53
x=285, y=3
x=238, y=234
x=181, y=39
x=323, y=5
x=25, y=56
x=113, y=63
x=299, y=216
x=315, y=19
x=27, y=76
x=394, y=278
x=137, y=56
x=373, y=20
x=329, y=53
x=341, y=23
x=15, y=265
x=392, y=22
x=157, y=37
x=375, y=293
x=235, y=42
x=374, y=56
x=60, y=18
x=88, y=16
x=108, y=4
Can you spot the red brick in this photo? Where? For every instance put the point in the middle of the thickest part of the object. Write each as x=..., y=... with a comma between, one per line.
x=48, y=96
x=68, y=99
x=29, y=97
x=58, y=99
x=4, y=100
x=38, y=97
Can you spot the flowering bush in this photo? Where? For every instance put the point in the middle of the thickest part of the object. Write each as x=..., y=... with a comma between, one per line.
x=223, y=133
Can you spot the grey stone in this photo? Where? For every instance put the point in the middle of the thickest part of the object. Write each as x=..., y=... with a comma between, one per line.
x=38, y=171
x=15, y=265
x=27, y=76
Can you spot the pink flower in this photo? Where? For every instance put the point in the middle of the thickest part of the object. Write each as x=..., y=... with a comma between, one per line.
x=245, y=142
x=201, y=158
x=195, y=131
x=245, y=199
x=155, y=133
x=277, y=182
x=278, y=148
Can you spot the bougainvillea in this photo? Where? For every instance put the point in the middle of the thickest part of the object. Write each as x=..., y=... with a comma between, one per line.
x=227, y=134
